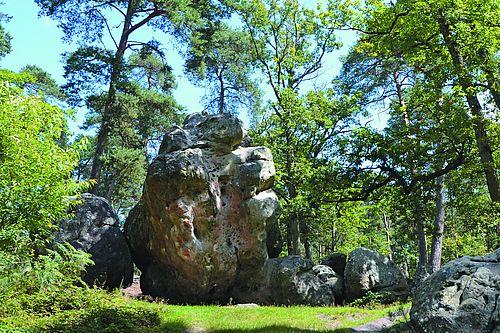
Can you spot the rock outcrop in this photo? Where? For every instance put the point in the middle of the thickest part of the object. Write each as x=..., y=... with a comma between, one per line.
x=367, y=270
x=95, y=229
x=462, y=297
x=200, y=229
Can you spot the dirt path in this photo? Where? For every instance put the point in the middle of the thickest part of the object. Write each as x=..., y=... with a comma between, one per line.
x=134, y=291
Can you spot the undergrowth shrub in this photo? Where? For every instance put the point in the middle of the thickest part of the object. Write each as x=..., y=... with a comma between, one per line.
x=35, y=189
x=371, y=299
x=104, y=318
x=45, y=284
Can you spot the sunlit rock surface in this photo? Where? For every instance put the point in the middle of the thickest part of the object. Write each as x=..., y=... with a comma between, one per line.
x=200, y=228
x=462, y=297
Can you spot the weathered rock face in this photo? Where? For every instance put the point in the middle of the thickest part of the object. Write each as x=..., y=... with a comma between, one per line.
x=462, y=297
x=95, y=229
x=199, y=230
x=336, y=261
x=367, y=270
x=336, y=282
x=294, y=280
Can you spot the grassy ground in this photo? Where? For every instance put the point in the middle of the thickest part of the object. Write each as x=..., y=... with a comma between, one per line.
x=119, y=314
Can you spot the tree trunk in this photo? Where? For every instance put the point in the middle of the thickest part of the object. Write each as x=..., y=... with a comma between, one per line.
x=387, y=227
x=105, y=127
x=334, y=235
x=222, y=92
x=307, y=248
x=478, y=120
x=293, y=235
x=438, y=232
x=422, y=239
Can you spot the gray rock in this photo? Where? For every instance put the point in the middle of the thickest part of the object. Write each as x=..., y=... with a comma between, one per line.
x=336, y=282
x=293, y=280
x=95, y=229
x=199, y=232
x=462, y=297
x=336, y=261
x=367, y=270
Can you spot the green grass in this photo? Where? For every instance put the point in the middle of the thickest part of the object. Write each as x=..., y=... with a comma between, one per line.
x=119, y=314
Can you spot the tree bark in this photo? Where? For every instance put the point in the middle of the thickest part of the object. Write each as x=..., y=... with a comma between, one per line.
x=222, y=92
x=438, y=232
x=387, y=227
x=478, y=120
x=293, y=236
x=105, y=127
x=334, y=236
x=422, y=239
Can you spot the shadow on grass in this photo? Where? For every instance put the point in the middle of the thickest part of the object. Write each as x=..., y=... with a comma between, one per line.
x=108, y=320
x=281, y=329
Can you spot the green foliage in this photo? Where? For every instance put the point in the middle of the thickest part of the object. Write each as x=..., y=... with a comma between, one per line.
x=43, y=83
x=102, y=318
x=223, y=59
x=35, y=168
x=373, y=299
x=36, y=185
x=42, y=285
x=5, y=37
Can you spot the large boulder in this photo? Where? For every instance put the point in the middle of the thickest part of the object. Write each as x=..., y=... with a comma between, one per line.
x=367, y=270
x=336, y=261
x=200, y=229
x=462, y=297
x=95, y=229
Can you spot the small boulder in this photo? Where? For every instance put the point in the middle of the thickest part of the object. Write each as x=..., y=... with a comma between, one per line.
x=462, y=297
x=336, y=282
x=95, y=229
x=336, y=261
x=293, y=280
x=368, y=270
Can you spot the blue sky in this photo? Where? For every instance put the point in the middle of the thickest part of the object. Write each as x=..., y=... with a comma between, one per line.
x=38, y=41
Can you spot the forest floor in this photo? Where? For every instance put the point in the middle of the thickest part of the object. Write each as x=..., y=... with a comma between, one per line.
x=128, y=312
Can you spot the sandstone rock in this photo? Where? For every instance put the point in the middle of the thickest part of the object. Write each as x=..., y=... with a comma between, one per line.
x=293, y=280
x=367, y=270
x=336, y=261
x=95, y=229
x=199, y=230
x=336, y=282
x=462, y=297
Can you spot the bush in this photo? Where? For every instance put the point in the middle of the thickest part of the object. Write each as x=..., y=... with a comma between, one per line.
x=35, y=187
x=373, y=299
x=44, y=285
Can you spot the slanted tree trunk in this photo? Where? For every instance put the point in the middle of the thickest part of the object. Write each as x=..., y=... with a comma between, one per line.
x=105, y=127
x=110, y=106
x=478, y=120
x=438, y=232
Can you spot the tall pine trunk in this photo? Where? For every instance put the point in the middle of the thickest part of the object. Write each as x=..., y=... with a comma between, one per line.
x=105, y=127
